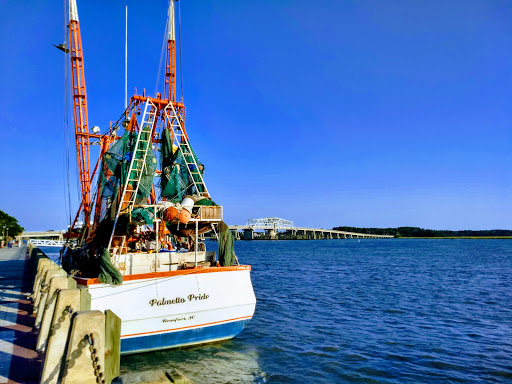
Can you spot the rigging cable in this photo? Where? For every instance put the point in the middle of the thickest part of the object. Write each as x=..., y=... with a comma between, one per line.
x=162, y=55
x=64, y=119
x=66, y=116
x=179, y=37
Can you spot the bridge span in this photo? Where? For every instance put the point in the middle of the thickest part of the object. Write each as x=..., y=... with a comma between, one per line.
x=271, y=228
x=42, y=235
x=275, y=228
x=43, y=238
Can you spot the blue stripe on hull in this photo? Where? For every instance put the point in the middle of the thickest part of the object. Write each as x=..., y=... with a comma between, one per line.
x=182, y=338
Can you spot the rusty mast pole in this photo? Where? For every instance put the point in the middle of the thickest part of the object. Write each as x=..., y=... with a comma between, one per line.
x=170, y=62
x=170, y=65
x=80, y=110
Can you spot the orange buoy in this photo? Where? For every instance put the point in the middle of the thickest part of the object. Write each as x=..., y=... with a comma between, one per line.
x=184, y=216
x=171, y=213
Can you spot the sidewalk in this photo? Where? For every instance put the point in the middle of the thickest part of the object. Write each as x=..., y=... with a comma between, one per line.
x=19, y=362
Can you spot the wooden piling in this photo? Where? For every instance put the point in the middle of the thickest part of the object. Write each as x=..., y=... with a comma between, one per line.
x=56, y=284
x=40, y=301
x=36, y=255
x=68, y=301
x=85, y=299
x=112, y=345
x=85, y=355
x=42, y=269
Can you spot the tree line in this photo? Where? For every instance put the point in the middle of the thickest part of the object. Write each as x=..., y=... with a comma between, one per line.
x=7, y=221
x=421, y=232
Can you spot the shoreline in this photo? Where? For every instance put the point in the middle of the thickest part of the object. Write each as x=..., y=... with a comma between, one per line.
x=267, y=238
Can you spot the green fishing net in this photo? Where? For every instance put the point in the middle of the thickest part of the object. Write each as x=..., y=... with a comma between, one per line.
x=176, y=181
x=108, y=273
x=114, y=172
x=226, y=246
x=143, y=216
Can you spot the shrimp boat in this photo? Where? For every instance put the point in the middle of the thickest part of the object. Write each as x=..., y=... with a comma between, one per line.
x=145, y=210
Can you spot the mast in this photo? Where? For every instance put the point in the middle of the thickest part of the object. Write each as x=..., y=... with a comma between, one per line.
x=170, y=68
x=126, y=61
x=170, y=65
x=80, y=110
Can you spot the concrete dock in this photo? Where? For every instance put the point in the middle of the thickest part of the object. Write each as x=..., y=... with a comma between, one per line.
x=19, y=363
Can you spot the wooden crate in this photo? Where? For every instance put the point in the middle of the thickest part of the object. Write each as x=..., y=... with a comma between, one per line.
x=211, y=212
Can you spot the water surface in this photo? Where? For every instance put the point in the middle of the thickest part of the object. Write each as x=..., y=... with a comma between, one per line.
x=364, y=311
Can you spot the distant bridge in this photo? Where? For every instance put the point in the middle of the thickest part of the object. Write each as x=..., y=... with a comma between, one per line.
x=43, y=238
x=272, y=225
x=43, y=235
x=48, y=243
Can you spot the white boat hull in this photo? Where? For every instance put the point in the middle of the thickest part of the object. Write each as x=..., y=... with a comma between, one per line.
x=178, y=310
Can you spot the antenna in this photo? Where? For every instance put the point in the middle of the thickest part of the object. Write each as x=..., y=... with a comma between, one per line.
x=126, y=61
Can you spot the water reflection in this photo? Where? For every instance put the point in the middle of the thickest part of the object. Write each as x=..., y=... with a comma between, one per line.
x=225, y=362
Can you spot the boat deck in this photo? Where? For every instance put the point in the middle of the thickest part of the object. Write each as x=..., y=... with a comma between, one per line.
x=19, y=363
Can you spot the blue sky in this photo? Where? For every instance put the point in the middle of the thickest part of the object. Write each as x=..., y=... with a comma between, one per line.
x=361, y=113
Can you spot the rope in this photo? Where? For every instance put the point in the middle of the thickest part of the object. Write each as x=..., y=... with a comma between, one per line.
x=215, y=232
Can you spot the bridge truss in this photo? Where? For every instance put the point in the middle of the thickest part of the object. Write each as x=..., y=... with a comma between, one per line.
x=270, y=223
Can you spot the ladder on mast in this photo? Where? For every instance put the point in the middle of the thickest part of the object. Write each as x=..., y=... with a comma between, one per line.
x=185, y=149
x=137, y=164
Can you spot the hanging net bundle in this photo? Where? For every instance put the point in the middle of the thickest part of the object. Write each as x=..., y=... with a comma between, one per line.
x=177, y=181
